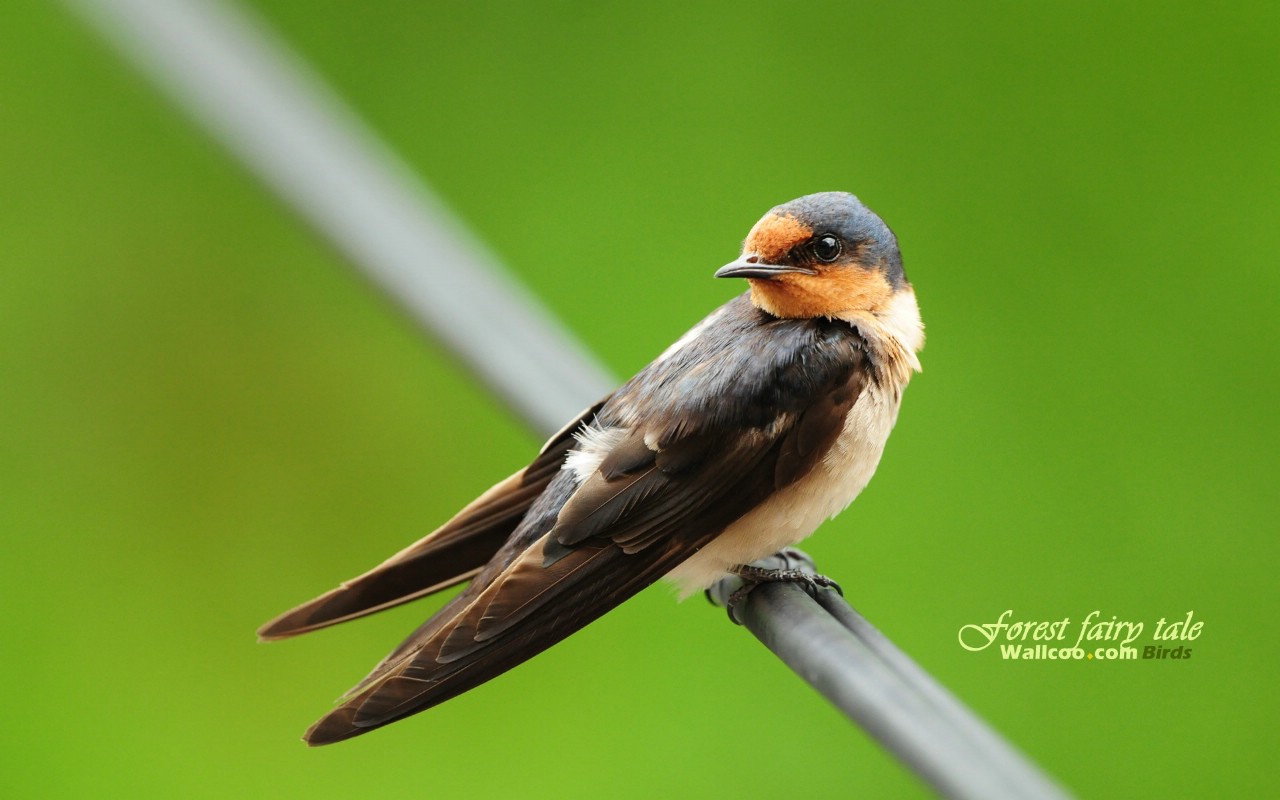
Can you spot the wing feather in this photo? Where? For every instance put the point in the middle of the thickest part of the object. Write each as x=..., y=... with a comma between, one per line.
x=626, y=534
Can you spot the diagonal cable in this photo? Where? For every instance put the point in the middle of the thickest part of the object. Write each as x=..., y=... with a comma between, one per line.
x=261, y=101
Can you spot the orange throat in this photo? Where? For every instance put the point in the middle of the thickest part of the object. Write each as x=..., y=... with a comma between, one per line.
x=830, y=294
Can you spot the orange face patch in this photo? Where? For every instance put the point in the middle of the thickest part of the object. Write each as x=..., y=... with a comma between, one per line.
x=830, y=293
x=773, y=237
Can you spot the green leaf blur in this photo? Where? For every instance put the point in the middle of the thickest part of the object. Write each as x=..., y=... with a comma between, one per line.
x=208, y=417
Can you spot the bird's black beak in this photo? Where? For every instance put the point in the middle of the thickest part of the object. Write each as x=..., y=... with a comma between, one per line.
x=749, y=266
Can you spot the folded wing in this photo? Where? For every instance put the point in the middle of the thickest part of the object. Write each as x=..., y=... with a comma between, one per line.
x=649, y=505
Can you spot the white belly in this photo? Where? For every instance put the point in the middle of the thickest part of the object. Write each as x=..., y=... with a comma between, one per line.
x=796, y=511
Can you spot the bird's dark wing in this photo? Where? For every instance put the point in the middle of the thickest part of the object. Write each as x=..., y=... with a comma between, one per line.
x=664, y=489
x=447, y=556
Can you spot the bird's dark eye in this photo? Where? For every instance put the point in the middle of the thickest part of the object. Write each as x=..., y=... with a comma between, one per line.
x=826, y=248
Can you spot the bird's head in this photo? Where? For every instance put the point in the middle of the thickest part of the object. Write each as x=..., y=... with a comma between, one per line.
x=821, y=255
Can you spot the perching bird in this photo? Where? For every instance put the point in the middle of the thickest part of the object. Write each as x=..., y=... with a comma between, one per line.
x=765, y=419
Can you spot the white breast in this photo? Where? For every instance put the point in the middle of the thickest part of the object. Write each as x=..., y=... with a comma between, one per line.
x=797, y=511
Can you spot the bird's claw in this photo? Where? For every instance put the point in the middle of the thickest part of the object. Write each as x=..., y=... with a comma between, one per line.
x=794, y=567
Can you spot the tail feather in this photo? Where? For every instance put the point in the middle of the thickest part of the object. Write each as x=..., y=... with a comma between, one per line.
x=449, y=555
x=433, y=671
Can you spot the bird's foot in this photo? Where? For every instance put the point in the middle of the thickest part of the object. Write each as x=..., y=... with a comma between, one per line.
x=792, y=566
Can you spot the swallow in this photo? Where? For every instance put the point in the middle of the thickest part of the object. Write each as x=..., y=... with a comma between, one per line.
x=768, y=417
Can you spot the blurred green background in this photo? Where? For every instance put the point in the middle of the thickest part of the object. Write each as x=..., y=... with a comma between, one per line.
x=207, y=417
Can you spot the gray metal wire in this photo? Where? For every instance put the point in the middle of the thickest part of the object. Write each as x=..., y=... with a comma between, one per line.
x=248, y=89
x=261, y=101
x=842, y=655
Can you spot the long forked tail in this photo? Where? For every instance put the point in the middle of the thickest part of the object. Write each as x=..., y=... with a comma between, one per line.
x=488, y=630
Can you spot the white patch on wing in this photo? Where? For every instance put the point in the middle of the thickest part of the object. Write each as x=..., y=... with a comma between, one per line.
x=693, y=333
x=594, y=443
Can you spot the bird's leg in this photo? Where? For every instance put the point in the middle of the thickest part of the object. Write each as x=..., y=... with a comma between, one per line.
x=792, y=570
